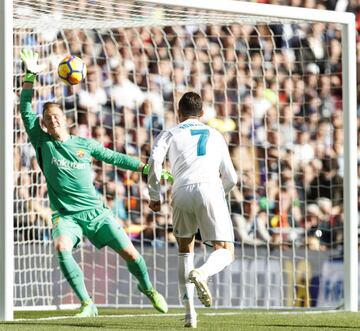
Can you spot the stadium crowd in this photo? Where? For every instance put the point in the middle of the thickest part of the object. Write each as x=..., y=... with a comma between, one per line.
x=275, y=92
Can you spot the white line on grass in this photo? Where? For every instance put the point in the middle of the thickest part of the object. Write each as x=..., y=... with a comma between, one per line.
x=273, y=312
x=181, y=314
x=101, y=316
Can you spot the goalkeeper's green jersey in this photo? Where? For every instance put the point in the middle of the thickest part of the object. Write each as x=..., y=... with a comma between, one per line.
x=67, y=165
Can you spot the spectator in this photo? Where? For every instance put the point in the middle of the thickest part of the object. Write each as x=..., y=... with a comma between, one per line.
x=328, y=184
x=250, y=224
x=94, y=97
x=124, y=92
x=303, y=150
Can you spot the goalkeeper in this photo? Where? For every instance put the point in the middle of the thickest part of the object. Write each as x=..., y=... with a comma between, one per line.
x=78, y=210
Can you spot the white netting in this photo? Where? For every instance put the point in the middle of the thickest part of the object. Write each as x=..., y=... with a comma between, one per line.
x=273, y=90
x=69, y=14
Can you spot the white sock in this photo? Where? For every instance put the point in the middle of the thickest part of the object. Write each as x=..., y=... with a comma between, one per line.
x=186, y=264
x=216, y=262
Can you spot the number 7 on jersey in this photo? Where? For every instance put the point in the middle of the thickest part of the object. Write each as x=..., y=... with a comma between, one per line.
x=204, y=136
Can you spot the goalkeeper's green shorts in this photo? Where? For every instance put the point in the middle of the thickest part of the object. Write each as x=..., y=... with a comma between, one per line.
x=98, y=225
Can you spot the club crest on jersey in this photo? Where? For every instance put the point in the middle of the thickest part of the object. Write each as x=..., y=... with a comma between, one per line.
x=80, y=153
x=56, y=221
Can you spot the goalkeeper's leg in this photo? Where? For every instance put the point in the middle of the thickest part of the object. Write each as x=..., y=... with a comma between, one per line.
x=137, y=266
x=73, y=274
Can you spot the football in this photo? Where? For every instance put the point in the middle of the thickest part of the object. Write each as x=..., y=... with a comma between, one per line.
x=72, y=70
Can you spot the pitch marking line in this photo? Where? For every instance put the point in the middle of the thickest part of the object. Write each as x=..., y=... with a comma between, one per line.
x=274, y=312
x=174, y=315
x=100, y=316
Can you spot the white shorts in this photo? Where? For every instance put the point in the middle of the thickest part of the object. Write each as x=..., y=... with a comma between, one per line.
x=202, y=206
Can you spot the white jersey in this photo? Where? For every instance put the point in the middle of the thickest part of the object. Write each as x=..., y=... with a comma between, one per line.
x=197, y=154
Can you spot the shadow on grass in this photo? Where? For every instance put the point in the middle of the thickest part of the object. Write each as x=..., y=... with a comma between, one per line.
x=310, y=327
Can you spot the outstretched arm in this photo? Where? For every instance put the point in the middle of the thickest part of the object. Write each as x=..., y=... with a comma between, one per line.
x=31, y=121
x=99, y=152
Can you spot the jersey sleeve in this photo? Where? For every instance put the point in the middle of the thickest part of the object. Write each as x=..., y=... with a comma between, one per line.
x=228, y=174
x=157, y=157
x=31, y=121
x=101, y=153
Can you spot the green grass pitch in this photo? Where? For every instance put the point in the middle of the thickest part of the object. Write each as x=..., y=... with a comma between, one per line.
x=208, y=319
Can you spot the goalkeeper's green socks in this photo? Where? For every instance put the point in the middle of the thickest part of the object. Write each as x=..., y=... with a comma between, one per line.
x=73, y=275
x=139, y=270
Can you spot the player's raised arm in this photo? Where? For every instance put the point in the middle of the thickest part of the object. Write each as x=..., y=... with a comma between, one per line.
x=31, y=121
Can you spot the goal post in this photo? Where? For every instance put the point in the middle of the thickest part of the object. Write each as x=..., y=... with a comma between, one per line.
x=350, y=173
x=162, y=61
x=6, y=163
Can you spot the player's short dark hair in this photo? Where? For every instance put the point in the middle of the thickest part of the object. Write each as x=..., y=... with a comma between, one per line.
x=48, y=105
x=190, y=104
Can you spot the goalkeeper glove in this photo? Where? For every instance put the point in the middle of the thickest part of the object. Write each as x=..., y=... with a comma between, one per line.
x=32, y=68
x=164, y=174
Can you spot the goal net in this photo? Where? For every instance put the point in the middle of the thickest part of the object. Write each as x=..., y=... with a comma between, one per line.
x=272, y=85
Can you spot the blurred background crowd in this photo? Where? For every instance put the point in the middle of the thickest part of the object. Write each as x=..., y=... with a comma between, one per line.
x=274, y=91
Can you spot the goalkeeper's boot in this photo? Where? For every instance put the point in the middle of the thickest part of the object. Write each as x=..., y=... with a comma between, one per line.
x=202, y=288
x=157, y=300
x=190, y=321
x=87, y=309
